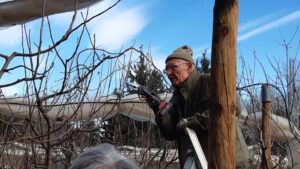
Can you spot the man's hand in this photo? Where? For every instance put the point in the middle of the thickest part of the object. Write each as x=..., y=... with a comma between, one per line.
x=152, y=99
x=182, y=124
x=164, y=107
x=191, y=122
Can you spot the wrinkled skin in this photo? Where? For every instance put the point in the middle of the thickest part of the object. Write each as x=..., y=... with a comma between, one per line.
x=178, y=71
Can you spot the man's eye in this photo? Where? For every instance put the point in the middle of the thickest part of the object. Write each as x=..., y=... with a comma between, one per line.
x=173, y=66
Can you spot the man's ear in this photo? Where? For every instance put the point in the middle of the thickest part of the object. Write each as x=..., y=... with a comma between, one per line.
x=191, y=67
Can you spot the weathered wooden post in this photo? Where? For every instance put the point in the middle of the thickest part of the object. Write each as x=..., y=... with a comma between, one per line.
x=223, y=82
x=266, y=122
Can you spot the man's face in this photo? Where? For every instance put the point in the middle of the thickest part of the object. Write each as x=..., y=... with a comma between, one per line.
x=178, y=71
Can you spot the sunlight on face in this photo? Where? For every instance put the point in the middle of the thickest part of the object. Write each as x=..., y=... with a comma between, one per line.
x=177, y=71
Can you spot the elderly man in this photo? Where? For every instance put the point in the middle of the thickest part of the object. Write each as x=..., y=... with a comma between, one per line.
x=189, y=107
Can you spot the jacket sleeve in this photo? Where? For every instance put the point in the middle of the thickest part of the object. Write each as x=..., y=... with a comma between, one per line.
x=166, y=120
x=202, y=114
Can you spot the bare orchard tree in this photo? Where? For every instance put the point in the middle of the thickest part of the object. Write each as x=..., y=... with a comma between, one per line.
x=68, y=99
x=47, y=125
x=283, y=82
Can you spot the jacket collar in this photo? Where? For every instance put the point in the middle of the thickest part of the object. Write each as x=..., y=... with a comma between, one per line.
x=190, y=85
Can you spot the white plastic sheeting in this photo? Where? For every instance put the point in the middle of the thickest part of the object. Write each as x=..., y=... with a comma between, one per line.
x=281, y=128
x=105, y=107
x=20, y=11
x=132, y=107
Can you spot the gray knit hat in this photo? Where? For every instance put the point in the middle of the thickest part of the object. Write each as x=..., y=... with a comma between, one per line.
x=183, y=52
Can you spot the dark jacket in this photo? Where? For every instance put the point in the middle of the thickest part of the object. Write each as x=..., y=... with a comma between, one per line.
x=192, y=100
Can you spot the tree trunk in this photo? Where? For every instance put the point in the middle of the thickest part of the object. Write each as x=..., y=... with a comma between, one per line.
x=223, y=82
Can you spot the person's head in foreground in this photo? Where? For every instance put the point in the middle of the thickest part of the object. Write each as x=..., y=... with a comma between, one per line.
x=103, y=156
x=179, y=65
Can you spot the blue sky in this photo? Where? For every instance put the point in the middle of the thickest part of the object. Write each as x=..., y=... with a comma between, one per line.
x=166, y=25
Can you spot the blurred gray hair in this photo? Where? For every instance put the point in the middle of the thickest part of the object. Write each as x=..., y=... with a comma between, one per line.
x=103, y=156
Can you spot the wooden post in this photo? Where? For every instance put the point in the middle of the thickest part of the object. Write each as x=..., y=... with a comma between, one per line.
x=266, y=122
x=222, y=131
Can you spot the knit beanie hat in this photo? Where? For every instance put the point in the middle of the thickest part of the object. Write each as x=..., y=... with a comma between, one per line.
x=183, y=52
